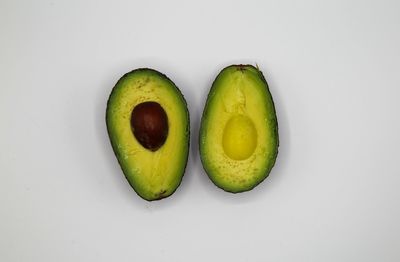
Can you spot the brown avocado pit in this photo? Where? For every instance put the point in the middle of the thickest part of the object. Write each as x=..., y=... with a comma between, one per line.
x=149, y=124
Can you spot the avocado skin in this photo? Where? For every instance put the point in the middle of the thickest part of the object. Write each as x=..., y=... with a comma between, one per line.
x=211, y=93
x=114, y=146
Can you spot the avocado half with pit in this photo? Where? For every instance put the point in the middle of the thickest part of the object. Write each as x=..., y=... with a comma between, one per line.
x=148, y=125
x=239, y=129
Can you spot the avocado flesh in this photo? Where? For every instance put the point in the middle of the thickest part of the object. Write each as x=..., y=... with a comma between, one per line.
x=152, y=174
x=239, y=130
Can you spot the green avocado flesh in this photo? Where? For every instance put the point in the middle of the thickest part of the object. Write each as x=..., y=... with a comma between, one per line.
x=148, y=125
x=239, y=129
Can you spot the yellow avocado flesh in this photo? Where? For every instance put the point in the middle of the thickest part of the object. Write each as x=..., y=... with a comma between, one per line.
x=153, y=175
x=238, y=136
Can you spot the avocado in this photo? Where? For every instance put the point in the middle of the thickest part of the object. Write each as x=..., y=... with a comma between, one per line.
x=148, y=125
x=238, y=138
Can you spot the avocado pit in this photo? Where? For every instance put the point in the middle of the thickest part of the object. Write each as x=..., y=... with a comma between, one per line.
x=149, y=124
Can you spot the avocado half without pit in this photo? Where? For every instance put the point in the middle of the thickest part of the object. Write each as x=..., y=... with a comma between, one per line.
x=148, y=125
x=239, y=129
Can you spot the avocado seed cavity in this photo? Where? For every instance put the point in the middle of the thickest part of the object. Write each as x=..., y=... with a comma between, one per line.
x=239, y=138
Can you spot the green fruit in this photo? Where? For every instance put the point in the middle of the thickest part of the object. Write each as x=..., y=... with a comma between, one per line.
x=239, y=130
x=148, y=125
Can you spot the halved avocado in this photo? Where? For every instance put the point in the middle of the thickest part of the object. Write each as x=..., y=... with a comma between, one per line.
x=148, y=125
x=239, y=129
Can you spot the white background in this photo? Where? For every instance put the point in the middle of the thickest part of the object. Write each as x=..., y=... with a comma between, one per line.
x=333, y=68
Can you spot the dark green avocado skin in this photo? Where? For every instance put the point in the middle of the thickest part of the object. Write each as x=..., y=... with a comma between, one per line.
x=114, y=146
